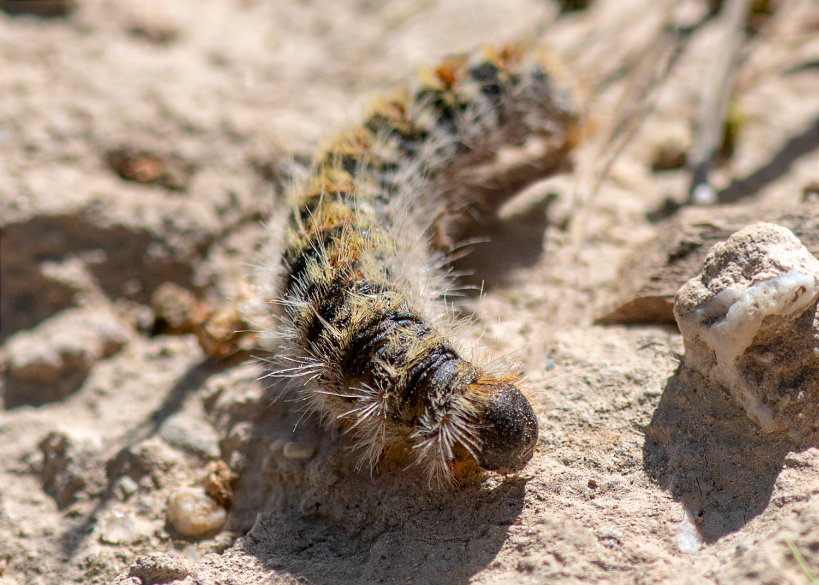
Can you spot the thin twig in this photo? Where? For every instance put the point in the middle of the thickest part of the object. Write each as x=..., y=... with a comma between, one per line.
x=647, y=75
x=803, y=564
x=640, y=97
x=714, y=102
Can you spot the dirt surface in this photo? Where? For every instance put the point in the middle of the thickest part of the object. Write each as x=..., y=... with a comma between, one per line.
x=145, y=143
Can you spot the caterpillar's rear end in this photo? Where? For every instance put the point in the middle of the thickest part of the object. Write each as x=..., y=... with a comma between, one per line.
x=364, y=318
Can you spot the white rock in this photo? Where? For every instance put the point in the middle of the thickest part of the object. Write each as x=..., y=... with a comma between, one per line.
x=689, y=540
x=750, y=324
x=193, y=513
x=117, y=527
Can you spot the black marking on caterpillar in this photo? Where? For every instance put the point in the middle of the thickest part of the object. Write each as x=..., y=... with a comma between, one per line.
x=362, y=320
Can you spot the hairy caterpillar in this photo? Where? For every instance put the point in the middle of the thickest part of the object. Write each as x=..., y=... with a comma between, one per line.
x=362, y=295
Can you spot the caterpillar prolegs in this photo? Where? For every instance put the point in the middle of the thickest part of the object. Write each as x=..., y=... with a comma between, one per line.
x=362, y=290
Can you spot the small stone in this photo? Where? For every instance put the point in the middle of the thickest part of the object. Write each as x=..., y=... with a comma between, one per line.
x=66, y=459
x=689, y=540
x=159, y=567
x=142, y=166
x=220, y=330
x=750, y=324
x=298, y=451
x=194, y=513
x=126, y=487
x=117, y=527
x=224, y=332
x=218, y=480
x=177, y=310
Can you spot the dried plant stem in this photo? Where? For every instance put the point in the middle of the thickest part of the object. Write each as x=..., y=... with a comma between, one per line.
x=714, y=102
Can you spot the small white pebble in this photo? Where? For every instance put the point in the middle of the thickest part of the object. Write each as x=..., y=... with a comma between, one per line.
x=298, y=451
x=126, y=487
x=193, y=513
x=117, y=528
x=703, y=194
x=689, y=540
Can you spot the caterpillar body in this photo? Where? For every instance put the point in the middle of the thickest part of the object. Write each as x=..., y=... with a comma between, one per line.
x=367, y=331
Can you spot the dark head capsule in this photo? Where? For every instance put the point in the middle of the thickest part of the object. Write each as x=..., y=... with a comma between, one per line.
x=508, y=430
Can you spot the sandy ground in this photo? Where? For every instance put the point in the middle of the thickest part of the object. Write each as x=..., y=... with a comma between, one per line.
x=146, y=142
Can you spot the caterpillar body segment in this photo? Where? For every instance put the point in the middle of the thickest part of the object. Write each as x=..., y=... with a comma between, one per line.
x=367, y=332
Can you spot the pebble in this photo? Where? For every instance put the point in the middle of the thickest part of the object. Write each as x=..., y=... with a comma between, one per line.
x=689, y=540
x=117, y=528
x=66, y=457
x=298, y=451
x=193, y=513
x=218, y=479
x=126, y=487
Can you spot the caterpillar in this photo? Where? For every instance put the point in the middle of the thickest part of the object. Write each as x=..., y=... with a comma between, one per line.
x=367, y=334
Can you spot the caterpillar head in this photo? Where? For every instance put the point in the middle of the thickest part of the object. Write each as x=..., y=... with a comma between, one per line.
x=508, y=430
